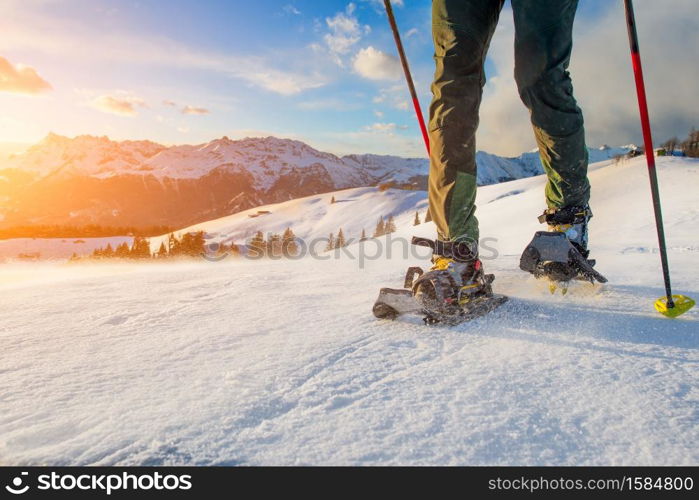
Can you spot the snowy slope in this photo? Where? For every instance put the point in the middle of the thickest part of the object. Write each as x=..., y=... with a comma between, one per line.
x=359, y=209
x=313, y=217
x=281, y=362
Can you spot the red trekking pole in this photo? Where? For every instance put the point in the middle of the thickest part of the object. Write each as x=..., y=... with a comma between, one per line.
x=406, y=70
x=670, y=305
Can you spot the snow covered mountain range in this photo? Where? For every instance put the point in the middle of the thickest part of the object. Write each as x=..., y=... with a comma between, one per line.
x=94, y=180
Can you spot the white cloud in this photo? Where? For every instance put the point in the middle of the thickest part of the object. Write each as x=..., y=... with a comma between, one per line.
x=381, y=127
x=379, y=5
x=345, y=32
x=331, y=103
x=394, y=96
x=64, y=38
x=21, y=79
x=243, y=133
x=373, y=141
x=504, y=126
x=603, y=79
x=290, y=9
x=374, y=64
x=193, y=110
x=121, y=104
x=283, y=82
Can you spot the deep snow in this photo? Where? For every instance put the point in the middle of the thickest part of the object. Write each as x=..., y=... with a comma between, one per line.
x=281, y=362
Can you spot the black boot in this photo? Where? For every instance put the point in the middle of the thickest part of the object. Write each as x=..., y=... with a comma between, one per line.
x=572, y=221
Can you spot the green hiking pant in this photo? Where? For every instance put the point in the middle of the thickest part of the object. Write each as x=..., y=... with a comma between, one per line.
x=462, y=30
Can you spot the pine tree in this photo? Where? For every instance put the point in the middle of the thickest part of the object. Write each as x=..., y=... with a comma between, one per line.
x=331, y=243
x=140, y=249
x=416, y=222
x=289, y=245
x=122, y=251
x=198, y=244
x=173, y=245
x=162, y=251
x=363, y=237
x=690, y=146
x=390, y=226
x=332, y=200
x=108, y=252
x=670, y=145
x=380, y=228
x=186, y=244
x=257, y=245
x=340, y=240
x=192, y=244
x=274, y=245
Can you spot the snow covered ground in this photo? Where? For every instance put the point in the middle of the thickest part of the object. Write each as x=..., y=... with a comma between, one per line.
x=281, y=362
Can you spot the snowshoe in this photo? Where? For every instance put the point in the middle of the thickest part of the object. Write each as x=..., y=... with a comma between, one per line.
x=455, y=290
x=560, y=254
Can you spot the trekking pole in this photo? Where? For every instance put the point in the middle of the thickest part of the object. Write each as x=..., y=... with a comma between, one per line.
x=671, y=305
x=406, y=70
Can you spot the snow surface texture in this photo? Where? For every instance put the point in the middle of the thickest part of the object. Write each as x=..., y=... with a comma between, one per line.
x=281, y=362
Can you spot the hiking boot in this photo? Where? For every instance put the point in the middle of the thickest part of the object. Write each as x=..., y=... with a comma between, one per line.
x=571, y=221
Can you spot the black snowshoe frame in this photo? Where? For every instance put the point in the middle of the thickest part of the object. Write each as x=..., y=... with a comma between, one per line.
x=392, y=302
x=551, y=255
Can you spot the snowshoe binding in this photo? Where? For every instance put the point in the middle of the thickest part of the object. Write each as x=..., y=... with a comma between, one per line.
x=454, y=290
x=560, y=254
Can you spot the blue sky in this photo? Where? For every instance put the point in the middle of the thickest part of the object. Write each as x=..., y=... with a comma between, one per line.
x=323, y=72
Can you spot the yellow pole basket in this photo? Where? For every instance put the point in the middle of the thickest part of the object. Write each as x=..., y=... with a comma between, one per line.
x=681, y=304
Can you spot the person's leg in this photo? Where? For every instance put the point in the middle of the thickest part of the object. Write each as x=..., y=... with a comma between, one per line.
x=461, y=31
x=543, y=44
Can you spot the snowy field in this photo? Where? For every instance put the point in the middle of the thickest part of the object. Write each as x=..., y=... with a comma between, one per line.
x=281, y=362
